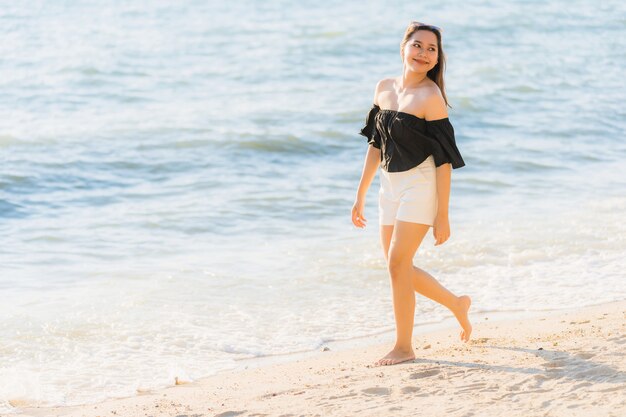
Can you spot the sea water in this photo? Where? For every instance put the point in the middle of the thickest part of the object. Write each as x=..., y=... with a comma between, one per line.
x=176, y=179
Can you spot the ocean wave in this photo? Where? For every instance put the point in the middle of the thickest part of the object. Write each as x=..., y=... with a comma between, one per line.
x=10, y=210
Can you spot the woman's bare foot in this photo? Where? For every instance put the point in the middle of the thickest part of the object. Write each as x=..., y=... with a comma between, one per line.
x=460, y=312
x=396, y=356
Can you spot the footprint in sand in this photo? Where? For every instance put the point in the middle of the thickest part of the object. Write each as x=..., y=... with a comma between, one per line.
x=476, y=386
x=425, y=374
x=376, y=391
x=335, y=397
x=230, y=413
x=585, y=355
x=558, y=363
x=409, y=390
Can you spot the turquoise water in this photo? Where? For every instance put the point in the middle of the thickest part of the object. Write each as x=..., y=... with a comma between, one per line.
x=176, y=179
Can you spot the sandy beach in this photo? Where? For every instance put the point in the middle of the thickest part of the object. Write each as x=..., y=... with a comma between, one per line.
x=568, y=363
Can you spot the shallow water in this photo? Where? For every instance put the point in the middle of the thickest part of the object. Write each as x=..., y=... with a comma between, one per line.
x=176, y=180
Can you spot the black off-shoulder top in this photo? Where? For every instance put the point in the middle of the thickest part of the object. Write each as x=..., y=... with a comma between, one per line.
x=406, y=140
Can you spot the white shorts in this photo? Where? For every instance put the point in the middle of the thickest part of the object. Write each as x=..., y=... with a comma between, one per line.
x=409, y=196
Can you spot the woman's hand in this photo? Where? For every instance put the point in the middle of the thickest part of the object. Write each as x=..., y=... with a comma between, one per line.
x=441, y=229
x=357, y=213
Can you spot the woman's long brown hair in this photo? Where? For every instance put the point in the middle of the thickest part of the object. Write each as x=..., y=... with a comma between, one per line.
x=435, y=74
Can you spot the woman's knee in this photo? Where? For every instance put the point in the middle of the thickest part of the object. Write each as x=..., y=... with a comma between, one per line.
x=397, y=265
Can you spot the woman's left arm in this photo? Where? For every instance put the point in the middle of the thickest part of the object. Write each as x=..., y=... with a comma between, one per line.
x=441, y=227
x=435, y=110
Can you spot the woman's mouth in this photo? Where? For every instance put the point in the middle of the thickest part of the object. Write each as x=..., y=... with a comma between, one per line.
x=419, y=61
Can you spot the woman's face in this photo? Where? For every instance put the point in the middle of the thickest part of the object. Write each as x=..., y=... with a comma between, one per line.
x=420, y=52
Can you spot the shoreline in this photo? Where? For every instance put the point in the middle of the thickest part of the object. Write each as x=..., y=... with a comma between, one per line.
x=387, y=337
x=343, y=381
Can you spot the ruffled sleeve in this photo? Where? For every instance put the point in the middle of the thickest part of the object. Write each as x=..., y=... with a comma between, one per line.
x=444, y=145
x=369, y=130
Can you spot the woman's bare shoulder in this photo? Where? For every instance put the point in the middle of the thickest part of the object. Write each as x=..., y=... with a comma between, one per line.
x=434, y=104
x=432, y=89
x=386, y=84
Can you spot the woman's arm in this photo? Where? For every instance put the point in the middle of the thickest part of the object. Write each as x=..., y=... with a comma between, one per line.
x=444, y=175
x=372, y=161
x=435, y=110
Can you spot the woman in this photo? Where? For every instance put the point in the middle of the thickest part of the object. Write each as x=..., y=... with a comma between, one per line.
x=410, y=137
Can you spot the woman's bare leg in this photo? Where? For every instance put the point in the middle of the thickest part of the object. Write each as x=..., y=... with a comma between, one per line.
x=404, y=243
x=426, y=285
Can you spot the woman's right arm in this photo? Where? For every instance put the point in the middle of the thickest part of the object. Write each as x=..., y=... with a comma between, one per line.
x=372, y=161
